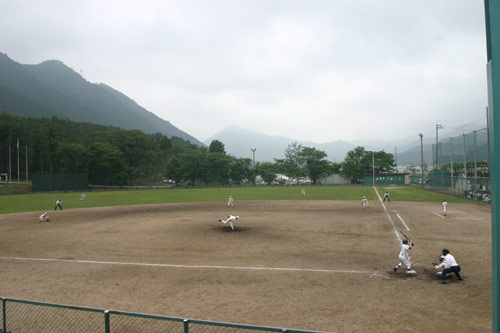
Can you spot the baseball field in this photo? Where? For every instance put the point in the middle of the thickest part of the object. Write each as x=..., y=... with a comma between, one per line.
x=318, y=262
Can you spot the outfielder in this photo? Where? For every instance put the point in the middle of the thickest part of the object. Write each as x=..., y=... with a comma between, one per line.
x=403, y=256
x=364, y=202
x=303, y=193
x=230, y=220
x=445, y=206
x=83, y=196
x=44, y=217
x=230, y=202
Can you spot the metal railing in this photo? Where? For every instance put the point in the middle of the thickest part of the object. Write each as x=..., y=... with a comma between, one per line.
x=31, y=316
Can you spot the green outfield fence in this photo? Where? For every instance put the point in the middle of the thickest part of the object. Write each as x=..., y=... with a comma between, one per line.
x=30, y=316
x=60, y=182
x=460, y=167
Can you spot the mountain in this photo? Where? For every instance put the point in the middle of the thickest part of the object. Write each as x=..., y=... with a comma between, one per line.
x=53, y=89
x=239, y=142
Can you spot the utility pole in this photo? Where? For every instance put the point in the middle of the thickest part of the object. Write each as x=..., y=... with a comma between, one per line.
x=437, y=140
x=396, y=157
x=421, y=159
x=253, y=152
x=373, y=167
x=18, y=160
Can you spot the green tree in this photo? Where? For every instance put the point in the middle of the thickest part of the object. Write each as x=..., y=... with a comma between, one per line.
x=218, y=167
x=216, y=147
x=239, y=169
x=267, y=171
x=49, y=138
x=315, y=164
x=384, y=162
x=193, y=163
x=174, y=170
x=107, y=165
x=72, y=157
x=355, y=164
x=294, y=162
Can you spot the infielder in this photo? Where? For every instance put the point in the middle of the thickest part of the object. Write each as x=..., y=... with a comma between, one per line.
x=453, y=267
x=445, y=206
x=44, y=217
x=58, y=204
x=230, y=202
x=364, y=202
x=404, y=259
x=386, y=196
x=230, y=220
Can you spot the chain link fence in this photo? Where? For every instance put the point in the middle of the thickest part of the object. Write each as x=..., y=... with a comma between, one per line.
x=460, y=167
x=30, y=316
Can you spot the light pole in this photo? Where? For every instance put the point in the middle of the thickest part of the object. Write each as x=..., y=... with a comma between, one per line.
x=253, y=152
x=437, y=129
x=421, y=159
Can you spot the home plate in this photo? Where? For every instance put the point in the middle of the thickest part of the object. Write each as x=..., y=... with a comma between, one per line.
x=411, y=272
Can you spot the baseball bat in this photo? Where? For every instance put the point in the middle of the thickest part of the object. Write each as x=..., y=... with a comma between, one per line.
x=405, y=235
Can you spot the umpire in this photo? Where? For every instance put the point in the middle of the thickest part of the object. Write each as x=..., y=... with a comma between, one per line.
x=452, y=266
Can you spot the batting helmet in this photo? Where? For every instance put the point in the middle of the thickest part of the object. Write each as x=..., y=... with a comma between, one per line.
x=405, y=241
x=445, y=251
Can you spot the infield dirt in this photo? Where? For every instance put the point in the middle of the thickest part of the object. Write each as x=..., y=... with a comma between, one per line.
x=318, y=265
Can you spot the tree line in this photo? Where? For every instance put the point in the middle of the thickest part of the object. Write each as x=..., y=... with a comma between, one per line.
x=114, y=156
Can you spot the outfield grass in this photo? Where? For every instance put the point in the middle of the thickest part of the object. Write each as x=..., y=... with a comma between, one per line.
x=46, y=201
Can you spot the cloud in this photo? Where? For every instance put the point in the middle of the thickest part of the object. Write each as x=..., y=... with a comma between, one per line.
x=318, y=71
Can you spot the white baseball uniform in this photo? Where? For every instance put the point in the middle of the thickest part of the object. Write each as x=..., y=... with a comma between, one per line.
x=230, y=220
x=230, y=202
x=403, y=257
x=445, y=206
x=364, y=202
x=44, y=217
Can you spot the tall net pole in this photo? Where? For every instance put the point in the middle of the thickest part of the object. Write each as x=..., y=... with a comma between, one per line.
x=492, y=13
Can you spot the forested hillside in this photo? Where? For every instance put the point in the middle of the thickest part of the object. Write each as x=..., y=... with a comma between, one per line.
x=108, y=154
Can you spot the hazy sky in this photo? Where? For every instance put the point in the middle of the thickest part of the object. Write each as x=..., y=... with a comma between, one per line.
x=310, y=70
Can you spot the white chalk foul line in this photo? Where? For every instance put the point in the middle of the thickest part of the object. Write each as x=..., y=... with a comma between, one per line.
x=399, y=217
x=438, y=214
x=288, y=269
x=379, y=198
x=393, y=227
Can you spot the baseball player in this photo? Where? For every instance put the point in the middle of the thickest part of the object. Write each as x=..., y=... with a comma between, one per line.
x=58, y=204
x=230, y=220
x=303, y=193
x=442, y=265
x=404, y=259
x=364, y=202
x=230, y=202
x=83, y=196
x=452, y=266
x=44, y=217
x=386, y=196
x=445, y=206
